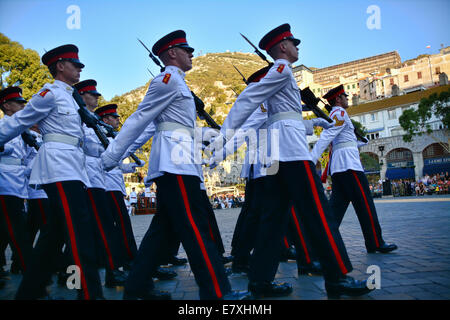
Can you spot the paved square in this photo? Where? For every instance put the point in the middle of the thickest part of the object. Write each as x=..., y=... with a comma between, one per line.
x=419, y=269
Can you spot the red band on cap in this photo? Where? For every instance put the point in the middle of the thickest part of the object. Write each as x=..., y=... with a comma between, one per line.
x=277, y=39
x=337, y=94
x=88, y=88
x=66, y=55
x=170, y=44
x=11, y=96
x=106, y=112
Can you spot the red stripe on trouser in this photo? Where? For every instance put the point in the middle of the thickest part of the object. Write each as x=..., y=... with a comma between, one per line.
x=100, y=228
x=122, y=225
x=73, y=242
x=368, y=210
x=42, y=211
x=210, y=232
x=11, y=233
x=324, y=221
x=199, y=238
x=286, y=244
x=302, y=240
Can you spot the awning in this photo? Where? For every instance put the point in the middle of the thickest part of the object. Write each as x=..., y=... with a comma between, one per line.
x=400, y=173
x=432, y=169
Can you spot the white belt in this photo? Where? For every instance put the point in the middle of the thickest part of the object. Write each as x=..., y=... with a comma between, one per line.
x=63, y=138
x=347, y=144
x=173, y=126
x=11, y=161
x=289, y=115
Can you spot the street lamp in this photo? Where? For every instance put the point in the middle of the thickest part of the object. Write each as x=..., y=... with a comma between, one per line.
x=381, y=149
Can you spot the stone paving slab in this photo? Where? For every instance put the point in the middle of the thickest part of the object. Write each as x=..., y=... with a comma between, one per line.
x=418, y=270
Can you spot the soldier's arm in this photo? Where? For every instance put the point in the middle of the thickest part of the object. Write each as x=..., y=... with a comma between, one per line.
x=327, y=136
x=158, y=97
x=34, y=111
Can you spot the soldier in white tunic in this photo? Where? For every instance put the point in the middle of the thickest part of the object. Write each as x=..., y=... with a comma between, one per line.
x=349, y=183
x=173, y=165
x=59, y=168
x=292, y=178
x=13, y=185
x=108, y=234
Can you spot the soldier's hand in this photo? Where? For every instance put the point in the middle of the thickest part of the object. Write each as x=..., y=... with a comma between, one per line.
x=319, y=122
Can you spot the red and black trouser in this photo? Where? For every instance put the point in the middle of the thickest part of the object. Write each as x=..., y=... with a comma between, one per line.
x=13, y=230
x=123, y=223
x=182, y=211
x=38, y=210
x=248, y=221
x=108, y=236
x=70, y=222
x=352, y=186
x=296, y=183
x=214, y=232
x=298, y=236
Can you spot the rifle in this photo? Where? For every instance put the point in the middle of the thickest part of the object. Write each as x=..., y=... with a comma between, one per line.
x=91, y=120
x=311, y=101
x=259, y=53
x=199, y=105
x=243, y=78
x=30, y=140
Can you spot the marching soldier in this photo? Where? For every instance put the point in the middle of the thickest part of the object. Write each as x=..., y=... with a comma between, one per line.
x=170, y=104
x=108, y=236
x=292, y=178
x=13, y=184
x=115, y=190
x=59, y=168
x=349, y=183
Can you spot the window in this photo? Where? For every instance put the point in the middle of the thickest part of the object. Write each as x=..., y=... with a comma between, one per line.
x=406, y=79
x=419, y=75
x=348, y=86
x=392, y=81
x=438, y=70
x=362, y=119
x=353, y=86
x=392, y=114
x=374, y=117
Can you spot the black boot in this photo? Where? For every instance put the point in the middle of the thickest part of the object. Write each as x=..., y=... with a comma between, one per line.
x=62, y=278
x=176, y=261
x=4, y=274
x=384, y=248
x=269, y=289
x=240, y=268
x=164, y=274
x=149, y=295
x=114, y=278
x=237, y=295
x=288, y=254
x=312, y=269
x=346, y=286
x=226, y=260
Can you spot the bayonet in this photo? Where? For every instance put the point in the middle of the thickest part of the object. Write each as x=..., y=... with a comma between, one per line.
x=259, y=53
x=150, y=54
x=243, y=78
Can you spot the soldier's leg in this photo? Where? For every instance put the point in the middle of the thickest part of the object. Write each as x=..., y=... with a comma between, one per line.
x=306, y=191
x=182, y=199
x=339, y=196
x=13, y=224
x=365, y=209
x=70, y=215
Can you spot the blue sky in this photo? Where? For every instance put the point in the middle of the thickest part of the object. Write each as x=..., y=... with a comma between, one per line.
x=332, y=32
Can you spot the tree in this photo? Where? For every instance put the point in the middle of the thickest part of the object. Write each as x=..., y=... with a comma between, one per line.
x=22, y=67
x=416, y=122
